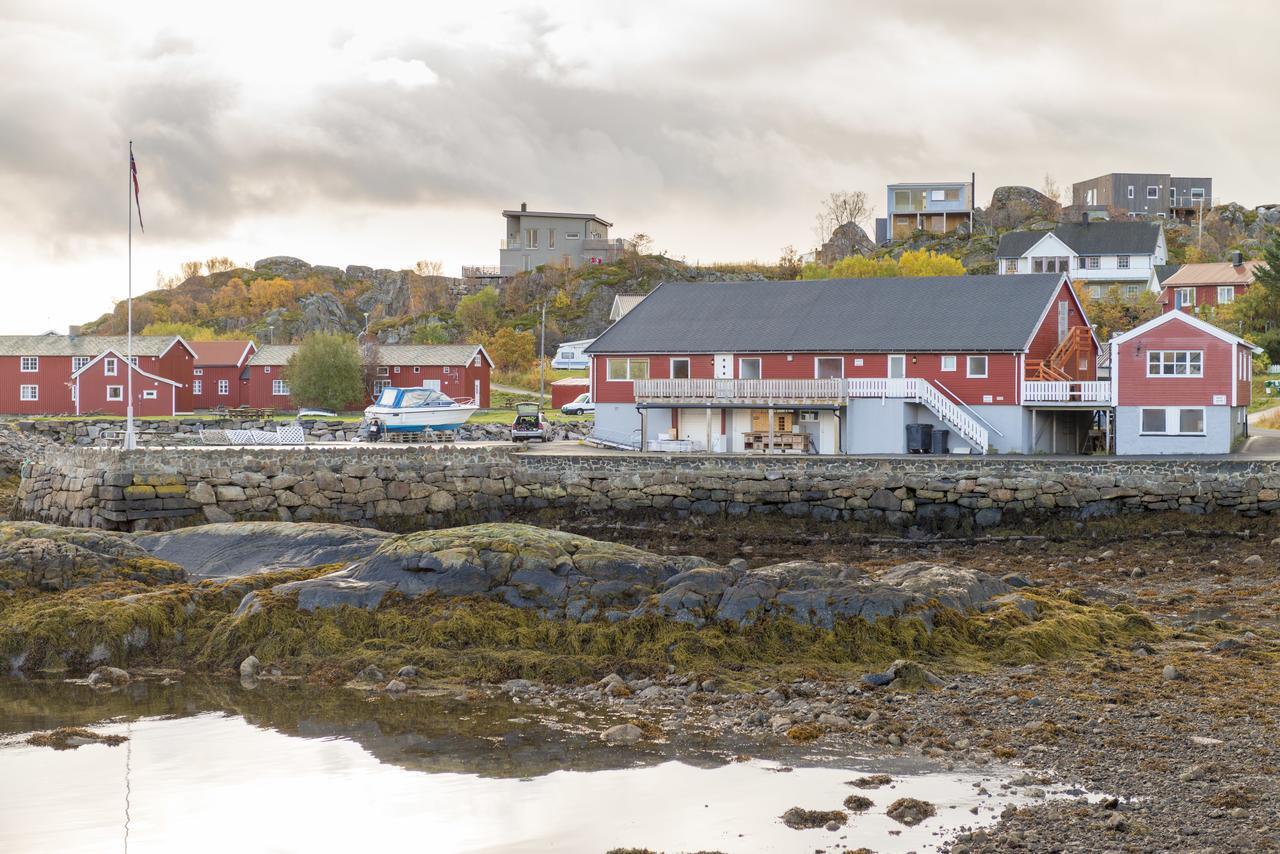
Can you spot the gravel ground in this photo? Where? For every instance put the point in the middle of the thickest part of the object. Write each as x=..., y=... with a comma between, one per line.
x=1179, y=739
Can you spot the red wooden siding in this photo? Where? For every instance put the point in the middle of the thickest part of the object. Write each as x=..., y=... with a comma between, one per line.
x=457, y=381
x=176, y=365
x=1135, y=388
x=1205, y=295
x=93, y=385
x=52, y=378
x=208, y=398
x=1046, y=337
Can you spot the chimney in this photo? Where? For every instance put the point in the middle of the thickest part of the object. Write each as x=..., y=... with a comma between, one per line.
x=73, y=331
x=1237, y=259
x=524, y=206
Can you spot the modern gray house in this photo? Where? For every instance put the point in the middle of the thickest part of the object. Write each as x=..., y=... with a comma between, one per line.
x=1144, y=194
x=534, y=238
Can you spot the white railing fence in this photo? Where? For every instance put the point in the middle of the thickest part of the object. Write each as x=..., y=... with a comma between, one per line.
x=1066, y=391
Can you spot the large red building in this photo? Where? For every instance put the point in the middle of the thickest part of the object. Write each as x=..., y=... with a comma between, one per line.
x=459, y=370
x=216, y=374
x=36, y=371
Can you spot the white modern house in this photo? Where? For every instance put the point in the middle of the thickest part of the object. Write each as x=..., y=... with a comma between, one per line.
x=1100, y=255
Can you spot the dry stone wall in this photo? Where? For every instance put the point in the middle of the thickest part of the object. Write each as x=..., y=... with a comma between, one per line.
x=401, y=488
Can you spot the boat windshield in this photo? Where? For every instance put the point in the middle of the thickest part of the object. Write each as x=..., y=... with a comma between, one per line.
x=388, y=397
x=424, y=397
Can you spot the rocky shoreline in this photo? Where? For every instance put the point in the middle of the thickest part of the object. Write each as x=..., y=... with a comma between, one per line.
x=1138, y=673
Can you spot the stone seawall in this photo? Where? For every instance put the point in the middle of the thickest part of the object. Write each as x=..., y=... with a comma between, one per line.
x=401, y=488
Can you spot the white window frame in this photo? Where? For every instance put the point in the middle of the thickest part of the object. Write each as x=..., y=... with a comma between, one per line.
x=110, y=367
x=1153, y=191
x=1184, y=296
x=397, y=370
x=115, y=393
x=1227, y=291
x=29, y=364
x=1122, y=262
x=417, y=369
x=688, y=368
x=1132, y=291
x=384, y=371
x=1011, y=265
x=968, y=367
x=742, y=360
x=551, y=238
x=197, y=372
x=1170, y=358
x=29, y=392
x=78, y=362
x=197, y=387
x=1172, y=418
x=627, y=370
x=819, y=359
x=1093, y=262
x=224, y=387
x=149, y=394
x=902, y=359
x=1132, y=192
x=279, y=388
x=573, y=235
x=948, y=363
x=378, y=386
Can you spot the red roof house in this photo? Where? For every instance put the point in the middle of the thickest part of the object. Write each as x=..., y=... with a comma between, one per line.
x=215, y=379
x=103, y=384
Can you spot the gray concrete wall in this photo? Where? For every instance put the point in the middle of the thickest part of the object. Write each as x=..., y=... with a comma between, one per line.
x=1219, y=430
x=876, y=426
x=398, y=488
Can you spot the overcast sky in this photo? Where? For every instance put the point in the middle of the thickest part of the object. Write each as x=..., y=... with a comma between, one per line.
x=378, y=134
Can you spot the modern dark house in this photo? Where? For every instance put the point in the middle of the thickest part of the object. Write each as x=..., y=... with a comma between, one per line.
x=1144, y=194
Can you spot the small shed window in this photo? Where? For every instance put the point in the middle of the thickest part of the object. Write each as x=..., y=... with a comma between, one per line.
x=115, y=392
x=948, y=363
x=149, y=394
x=279, y=388
x=976, y=366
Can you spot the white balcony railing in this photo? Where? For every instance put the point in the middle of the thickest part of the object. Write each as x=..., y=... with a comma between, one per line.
x=1038, y=391
x=739, y=391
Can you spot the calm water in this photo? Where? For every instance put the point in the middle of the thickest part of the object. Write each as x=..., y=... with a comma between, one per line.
x=219, y=768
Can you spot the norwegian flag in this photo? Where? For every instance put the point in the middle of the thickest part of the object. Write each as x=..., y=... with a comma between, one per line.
x=133, y=171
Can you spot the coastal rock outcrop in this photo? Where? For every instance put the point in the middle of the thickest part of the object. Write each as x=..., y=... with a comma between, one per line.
x=50, y=557
x=566, y=576
x=222, y=550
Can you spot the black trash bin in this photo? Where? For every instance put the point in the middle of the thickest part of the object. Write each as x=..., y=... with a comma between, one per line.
x=939, y=441
x=918, y=438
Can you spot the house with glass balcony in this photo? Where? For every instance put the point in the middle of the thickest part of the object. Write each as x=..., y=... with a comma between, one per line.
x=937, y=207
x=1002, y=363
x=534, y=238
x=1098, y=255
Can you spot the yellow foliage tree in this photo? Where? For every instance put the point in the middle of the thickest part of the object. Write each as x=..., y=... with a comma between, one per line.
x=926, y=262
x=914, y=262
x=511, y=350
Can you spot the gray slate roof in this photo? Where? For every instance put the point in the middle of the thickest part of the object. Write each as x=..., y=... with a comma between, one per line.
x=53, y=344
x=934, y=314
x=388, y=354
x=1096, y=238
x=1164, y=271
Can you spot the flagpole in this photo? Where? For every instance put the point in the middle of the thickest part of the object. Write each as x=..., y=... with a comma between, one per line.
x=129, y=441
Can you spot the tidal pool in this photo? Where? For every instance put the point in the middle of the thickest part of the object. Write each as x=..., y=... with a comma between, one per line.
x=217, y=767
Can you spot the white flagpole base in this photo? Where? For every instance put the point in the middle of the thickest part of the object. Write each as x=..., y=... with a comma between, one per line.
x=130, y=440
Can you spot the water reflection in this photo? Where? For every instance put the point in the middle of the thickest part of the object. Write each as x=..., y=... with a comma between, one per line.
x=213, y=767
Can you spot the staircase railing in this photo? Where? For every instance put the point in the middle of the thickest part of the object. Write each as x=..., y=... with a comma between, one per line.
x=922, y=391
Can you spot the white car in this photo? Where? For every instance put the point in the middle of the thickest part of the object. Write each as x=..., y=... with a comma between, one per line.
x=580, y=405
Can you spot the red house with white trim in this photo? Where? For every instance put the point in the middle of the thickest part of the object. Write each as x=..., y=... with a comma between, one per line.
x=102, y=386
x=36, y=370
x=844, y=366
x=1180, y=386
x=1197, y=288
x=459, y=370
x=215, y=379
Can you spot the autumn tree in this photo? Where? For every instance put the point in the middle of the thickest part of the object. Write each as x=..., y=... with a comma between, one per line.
x=427, y=267
x=926, y=262
x=219, y=264
x=1051, y=189
x=914, y=262
x=789, y=263
x=511, y=350
x=1113, y=314
x=326, y=371
x=187, y=331
x=190, y=269
x=478, y=312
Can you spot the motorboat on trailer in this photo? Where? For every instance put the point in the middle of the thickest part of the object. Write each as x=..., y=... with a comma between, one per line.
x=417, y=410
